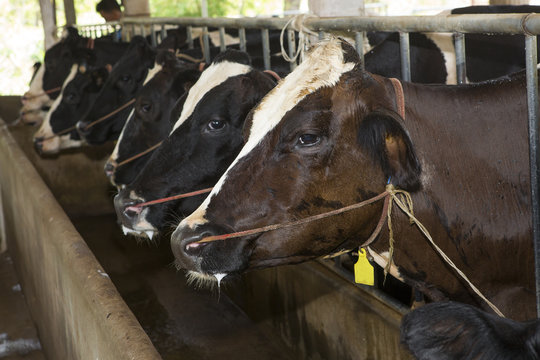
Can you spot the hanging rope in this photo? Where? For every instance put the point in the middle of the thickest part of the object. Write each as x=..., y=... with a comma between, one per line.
x=297, y=24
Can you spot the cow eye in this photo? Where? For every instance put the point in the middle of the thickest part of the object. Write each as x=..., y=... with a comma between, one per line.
x=125, y=78
x=146, y=108
x=306, y=140
x=216, y=125
x=70, y=98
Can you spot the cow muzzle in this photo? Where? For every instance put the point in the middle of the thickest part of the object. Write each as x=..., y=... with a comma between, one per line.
x=131, y=216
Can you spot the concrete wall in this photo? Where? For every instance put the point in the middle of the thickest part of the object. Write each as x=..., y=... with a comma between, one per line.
x=77, y=310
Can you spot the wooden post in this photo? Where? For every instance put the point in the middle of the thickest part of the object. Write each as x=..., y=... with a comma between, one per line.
x=138, y=8
x=324, y=8
x=69, y=9
x=49, y=24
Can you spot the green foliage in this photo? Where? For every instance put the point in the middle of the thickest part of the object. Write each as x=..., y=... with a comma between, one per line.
x=216, y=8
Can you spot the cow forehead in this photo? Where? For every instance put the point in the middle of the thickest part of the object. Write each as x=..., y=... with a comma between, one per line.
x=323, y=67
x=152, y=72
x=114, y=155
x=213, y=76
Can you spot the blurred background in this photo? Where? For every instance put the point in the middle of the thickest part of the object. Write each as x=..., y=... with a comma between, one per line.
x=22, y=44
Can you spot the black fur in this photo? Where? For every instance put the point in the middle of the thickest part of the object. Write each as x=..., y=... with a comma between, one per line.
x=372, y=134
x=452, y=331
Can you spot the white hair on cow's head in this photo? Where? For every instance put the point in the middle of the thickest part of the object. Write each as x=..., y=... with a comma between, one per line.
x=152, y=72
x=211, y=77
x=323, y=67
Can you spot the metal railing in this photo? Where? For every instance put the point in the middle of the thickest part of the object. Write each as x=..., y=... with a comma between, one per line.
x=355, y=27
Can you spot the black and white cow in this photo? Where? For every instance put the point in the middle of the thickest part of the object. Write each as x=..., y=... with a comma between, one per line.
x=57, y=131
x=58, y=61
x=433, y=58
x=203, y=142
x=150, y=121
x=456, y=331
x=124, y=81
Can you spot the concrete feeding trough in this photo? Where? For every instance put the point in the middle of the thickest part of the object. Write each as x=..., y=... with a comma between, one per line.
x=90, y=306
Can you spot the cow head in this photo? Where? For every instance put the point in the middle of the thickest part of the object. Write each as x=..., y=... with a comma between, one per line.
x=59, y=58
x=151, y=120
x=121, y=87
x=324, y=138
x=80, y=88
x=49, y=76
x=203, y=142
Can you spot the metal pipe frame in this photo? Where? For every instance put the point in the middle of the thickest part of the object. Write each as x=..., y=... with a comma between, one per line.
x=526, y=24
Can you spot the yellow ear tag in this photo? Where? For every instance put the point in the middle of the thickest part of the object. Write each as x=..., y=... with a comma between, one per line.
x=363, y=271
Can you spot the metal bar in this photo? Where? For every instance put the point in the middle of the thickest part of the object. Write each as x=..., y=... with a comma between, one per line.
x=405, y=56
x=266, y=48
x=461, y=66
x=222, y=46
x=189, y=34
x=153, y=35
x=143, y=32
x=163, y=33
x=242, y=37
x=466, y=23
x=321, y=35
x=206, y=45
x=532, y=106
x=359, y=42
x=291, y=43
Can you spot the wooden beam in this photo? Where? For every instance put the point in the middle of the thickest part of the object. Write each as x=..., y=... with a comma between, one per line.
x=48, y=12
x=69, y=9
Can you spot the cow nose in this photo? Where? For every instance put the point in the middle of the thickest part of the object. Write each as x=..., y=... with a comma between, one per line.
x=185, y=241
x=126, y=209
x=38, y=144
x=82, y=129
x=109, y=169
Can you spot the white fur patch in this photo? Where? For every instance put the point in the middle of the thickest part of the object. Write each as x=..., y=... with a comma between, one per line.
x=114, y=156
x=323, y=67
x=45, y=130
x=152, y=72
x=35, y=98
x=214, y=75
x=445, y=43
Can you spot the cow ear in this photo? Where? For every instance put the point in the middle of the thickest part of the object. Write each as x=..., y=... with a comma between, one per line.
x=381, y=135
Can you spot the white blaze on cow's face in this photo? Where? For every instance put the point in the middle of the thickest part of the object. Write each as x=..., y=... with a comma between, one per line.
x=323, y=67
x=51, y=143
x=211, y=77
x=34, y=99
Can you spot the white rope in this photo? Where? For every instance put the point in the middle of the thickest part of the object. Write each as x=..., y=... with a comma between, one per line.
x=296, y=23
x=406, y=209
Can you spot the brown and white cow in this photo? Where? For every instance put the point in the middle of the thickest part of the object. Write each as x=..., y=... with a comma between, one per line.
x=329, y=135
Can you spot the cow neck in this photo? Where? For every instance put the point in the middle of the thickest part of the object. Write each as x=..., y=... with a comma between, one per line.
x=400, y=97
x=391, y=195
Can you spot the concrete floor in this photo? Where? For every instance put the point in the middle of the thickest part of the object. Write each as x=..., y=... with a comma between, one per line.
x=18, y=335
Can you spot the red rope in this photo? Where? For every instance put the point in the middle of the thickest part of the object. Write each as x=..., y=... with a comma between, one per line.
x=263, y=229
x=138, y=155
x=105, y=117
x=174, y=197
x=46, y=92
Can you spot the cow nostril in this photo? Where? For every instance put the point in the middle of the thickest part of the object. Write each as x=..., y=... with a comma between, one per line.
x=38, y=144
x=132, y=212
x=109, y=168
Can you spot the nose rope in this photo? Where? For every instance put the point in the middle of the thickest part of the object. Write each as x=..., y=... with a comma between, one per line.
x=105, y=117
x=74, y=127
x=400, y=197
x=174, y=197
x=138, y=155
x=45, y=92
